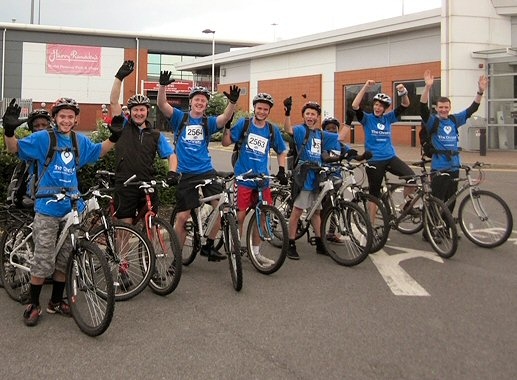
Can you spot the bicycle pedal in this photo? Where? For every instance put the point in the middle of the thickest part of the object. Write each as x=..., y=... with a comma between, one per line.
x=312, y=240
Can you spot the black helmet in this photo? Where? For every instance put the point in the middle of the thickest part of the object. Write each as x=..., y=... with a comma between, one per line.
x=37, y=114
x=330, y=120
x=263, y=98
x=138, y=100
x=383, y=98
x=65, y=103
x=199, y=91
x=315, y=106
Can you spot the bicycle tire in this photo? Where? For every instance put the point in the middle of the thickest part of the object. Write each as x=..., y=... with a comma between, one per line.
x=381, y=225
x=490, y=229
x=232, y=248
x=411, y=223
x=356, y=241
x=282, y=201
x=439, y=227
x=132, y=266
x=167, y=250
x=90, y=289
x=16, y=281
x=274, y=226
x=192, y=244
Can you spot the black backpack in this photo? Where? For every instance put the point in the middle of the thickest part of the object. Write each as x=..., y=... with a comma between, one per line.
x=425, y=136
x=238, y=145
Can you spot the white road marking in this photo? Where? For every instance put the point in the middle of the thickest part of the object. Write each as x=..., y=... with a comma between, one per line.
x=397, y=279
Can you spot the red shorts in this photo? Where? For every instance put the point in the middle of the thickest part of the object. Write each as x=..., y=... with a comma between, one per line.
x=247, y=197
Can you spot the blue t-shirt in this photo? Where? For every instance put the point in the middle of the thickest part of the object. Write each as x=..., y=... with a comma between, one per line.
x=192, y=146
x=318, y=139
x=377, y=131
x=62, y=171
x=254, y=153
x=446, y=138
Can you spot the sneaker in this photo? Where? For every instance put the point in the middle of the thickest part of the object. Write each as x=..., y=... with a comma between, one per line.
x=31, y=315
x=263, y=260
x=292, y=253
x=336, y=239
x=125, y=280
x=320, y=250
x=60, y=307
x=212, y=253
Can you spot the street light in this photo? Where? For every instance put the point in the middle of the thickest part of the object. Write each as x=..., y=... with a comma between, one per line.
x=207, y=31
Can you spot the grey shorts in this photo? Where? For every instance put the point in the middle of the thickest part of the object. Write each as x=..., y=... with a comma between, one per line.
x=46, y=259
x=305, y=199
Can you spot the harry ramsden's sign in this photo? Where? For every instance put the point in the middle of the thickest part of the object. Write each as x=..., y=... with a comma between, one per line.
x=73, y=60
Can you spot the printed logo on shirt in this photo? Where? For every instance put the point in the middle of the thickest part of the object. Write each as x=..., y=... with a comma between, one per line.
x=67, y=157
x=447, y=129
x=381, y=126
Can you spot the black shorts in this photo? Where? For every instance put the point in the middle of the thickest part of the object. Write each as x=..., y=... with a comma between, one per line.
x=130, y=200
x=187, y=196
x=375, y=175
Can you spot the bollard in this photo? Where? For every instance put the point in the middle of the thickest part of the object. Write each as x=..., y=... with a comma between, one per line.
x=352, y=134
x=482, y=141
x=413, y=136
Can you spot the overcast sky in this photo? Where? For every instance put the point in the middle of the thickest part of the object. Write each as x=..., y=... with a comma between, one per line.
x=242, y=20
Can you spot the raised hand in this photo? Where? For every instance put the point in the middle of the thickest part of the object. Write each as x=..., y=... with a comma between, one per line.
x=233, y=96
x=11, y=119
x=288, y=104
x=428, y=78
x=124, y=70
x=165, y=78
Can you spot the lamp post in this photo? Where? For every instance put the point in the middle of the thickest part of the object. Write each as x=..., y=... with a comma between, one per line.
x=207, y=31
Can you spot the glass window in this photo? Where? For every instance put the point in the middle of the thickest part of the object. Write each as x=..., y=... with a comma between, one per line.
x=415, y=89
x=160, y=62
x=367, y=102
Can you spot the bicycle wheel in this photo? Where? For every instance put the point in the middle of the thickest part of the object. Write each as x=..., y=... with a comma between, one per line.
x=232, y=247
x=412, y=222
x=273, y=225
x=485, y=219
x=350, y=224
x=90, y=289
x=192, y=244
x=439, y=228
x=381, y=227
x=16, y=280
x=167, y=273
x=132, y=262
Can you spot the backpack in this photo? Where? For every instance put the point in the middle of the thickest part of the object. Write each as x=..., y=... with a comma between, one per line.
x=184, y=125
x=294, y=154
x=238, y=145
x=425, y=136
x=23, y=180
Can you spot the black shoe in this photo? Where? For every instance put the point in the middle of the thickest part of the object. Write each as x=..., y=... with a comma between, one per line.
x=212, y=254
x=320, y=250
x=292, y=253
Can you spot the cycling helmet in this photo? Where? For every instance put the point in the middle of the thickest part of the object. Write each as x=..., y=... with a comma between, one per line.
x=65, y=103
x=138, y=100
x=315, y=106
x=383, y=98
x=36, y=114
x=330, y=120
x=199, y=91
x=262, y=97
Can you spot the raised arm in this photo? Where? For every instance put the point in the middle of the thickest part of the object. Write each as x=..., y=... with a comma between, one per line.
x=288, y=104
x=163, y=105
x=424, y=98
x=359, y=97
x=230, y=109
x=124, y=70
x=227, y=139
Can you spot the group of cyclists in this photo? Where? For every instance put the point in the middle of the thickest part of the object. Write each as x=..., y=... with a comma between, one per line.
x=136, y=145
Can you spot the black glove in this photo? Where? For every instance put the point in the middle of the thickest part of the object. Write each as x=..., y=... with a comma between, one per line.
x=11, y=119
x=282, y=178
x=126, y=69
x=116, y=127
x=165, y=78
x=288, y=104
x=349, y=155
x=228, y=124
x=349, y=117
x=173, y=178
x=233, y=96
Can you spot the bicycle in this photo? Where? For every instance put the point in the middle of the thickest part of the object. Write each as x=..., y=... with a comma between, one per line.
x=342, y=218
x=89, y=285
x=199, y=229
x=129, y=252
x=165, y=243
x=484, y=217
x=266, y=224
x=423, y=211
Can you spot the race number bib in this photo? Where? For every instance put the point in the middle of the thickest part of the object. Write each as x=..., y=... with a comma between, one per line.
x=257, y=143
x=194, y=133
x=316, y=146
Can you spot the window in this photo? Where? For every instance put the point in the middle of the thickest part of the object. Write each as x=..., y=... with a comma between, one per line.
x=161, y=62
x=367, y=102
x=415, y=90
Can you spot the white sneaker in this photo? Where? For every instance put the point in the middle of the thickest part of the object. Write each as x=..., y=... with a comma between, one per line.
x=263, y=260
x=336, y=239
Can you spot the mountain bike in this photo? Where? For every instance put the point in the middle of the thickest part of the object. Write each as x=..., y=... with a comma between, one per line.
x=89, y=283
x=199, y=229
